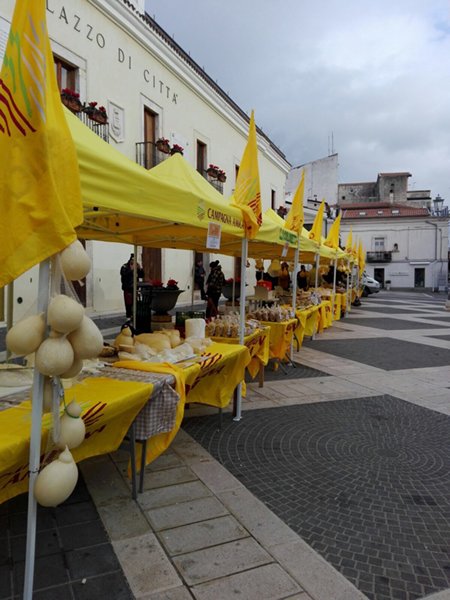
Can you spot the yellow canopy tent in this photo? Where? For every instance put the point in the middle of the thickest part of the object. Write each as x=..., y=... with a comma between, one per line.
x=169, y=206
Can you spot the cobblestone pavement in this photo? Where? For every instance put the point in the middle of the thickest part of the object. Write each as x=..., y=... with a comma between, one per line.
x=362, y=444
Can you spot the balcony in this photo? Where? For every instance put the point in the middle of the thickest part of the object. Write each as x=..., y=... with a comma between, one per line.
x=379, y=257
x=101, y=129
x=148, y=155
x=212, y=180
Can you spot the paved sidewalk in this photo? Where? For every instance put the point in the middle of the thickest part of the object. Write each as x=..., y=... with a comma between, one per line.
x=198, y=532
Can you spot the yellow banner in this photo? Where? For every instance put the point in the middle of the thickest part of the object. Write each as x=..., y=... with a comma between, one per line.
x=40, y=199
x=295, y=217
x=109, y=408
x=307, y=322
x=316, y=229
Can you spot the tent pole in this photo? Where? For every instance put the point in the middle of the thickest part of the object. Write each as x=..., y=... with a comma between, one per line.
x=317, y=270
x=238, y=415
x=134, y=286
x=9, y=312
x=35, y=442
x=294, y=291
x=334, y=286
x=347, y=309
x=193, y=280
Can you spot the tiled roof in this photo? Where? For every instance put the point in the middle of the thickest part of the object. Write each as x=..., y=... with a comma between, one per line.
x=381, y=211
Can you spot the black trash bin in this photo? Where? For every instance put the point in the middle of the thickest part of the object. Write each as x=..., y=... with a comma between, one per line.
x=144, y=308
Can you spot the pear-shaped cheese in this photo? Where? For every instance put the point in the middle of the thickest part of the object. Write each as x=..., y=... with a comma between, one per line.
x=64, y=314
x=73, y=371
x=56, y=481
x=72, y=427
x=54, y=356
x=75, y=262
x=87, y=341
x=26, y=336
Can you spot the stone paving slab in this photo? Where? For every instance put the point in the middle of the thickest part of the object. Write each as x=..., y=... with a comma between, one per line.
x=391, y=324
x=269, y=582
x=172, y=494
x=385, y=353
x=202, y=535
x=299, y=372
x=364, y=482
x=146, y=566
x=184, y=513
x=222, y=560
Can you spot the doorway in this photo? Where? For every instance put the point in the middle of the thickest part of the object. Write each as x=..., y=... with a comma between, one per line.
x=378, y=275
x=419, y=278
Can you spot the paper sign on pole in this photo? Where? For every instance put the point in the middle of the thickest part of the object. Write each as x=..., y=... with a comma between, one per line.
x=285, y=250
x=214, y=234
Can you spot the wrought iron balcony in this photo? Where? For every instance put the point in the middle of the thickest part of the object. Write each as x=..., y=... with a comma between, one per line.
x=213, y=181
x=148, y=155
x=101, y=129
x=379, y=257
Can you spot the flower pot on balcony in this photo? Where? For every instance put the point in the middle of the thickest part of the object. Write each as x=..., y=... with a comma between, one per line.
x=163, y=147
x=222, y=177
x=98, y=117
x=213, y=173
x=73, y=104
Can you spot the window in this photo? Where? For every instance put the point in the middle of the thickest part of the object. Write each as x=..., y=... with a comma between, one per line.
x=201, y=157
x=66, y=74
x=273, y=199
x=149, y=138
x=362, y=213
x=378, y=243
x=395, y=212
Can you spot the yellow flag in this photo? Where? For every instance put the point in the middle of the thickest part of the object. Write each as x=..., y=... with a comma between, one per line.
x=247, y=195
x=295, y=217
x=40, y=200
x=332, y=240
x=348, y=242
x=316, y=230
x=361, y=257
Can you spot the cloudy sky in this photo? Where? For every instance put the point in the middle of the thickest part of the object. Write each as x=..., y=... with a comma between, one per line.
x=374, y=75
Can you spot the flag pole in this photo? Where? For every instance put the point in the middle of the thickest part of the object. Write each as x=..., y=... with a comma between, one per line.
x=35, y=441
x=294, y=290
x=334, y=286
x=348, y=303
x=244, y=253
x=135, y=273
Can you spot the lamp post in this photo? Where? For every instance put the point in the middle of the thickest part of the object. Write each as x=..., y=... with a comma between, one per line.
x=438, y=204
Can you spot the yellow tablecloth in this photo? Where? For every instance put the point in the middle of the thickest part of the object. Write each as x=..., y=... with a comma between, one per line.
x=307, y=322
x=325, y=316
x=280, y=337
x=258, y=344
x=109, y=408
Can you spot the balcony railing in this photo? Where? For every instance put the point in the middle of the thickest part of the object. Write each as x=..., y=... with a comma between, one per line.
x=101, y=129
x=213, y=181
x=148, y=155
x=379, y=257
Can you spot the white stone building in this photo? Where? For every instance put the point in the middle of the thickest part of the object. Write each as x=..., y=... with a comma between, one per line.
x=111, y=52
x=406, y=240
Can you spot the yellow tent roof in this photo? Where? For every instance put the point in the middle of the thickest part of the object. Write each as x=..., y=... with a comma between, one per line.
x=169, y=206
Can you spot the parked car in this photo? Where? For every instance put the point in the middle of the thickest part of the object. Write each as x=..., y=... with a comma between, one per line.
x=370, y=285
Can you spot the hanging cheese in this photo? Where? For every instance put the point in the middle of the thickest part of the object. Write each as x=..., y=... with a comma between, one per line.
x=26, y=336
x=73, y=371
x=64, y=314
x=72, y=427
x=54, y=356
x=87, y=340
x=56, y=481
x=75, y=262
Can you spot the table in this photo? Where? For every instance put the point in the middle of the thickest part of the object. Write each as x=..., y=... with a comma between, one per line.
x=308, y=319
x=258, y=344
x=109, y=409
x=325, y=316
x=281, y=335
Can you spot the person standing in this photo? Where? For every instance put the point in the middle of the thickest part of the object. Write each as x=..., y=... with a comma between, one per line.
x=302, y=279
x=214, y=285
x=199, y=278
x=126, y=278
x=284, y=279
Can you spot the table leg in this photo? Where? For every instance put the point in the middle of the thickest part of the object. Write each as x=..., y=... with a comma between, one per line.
x=261, y=376
x=132, y=434
x=142, y=473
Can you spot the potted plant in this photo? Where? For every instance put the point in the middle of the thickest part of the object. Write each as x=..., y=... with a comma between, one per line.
x=161, y=299
x=227, y=289
x=163, y=145
x=177, y=149
x=212, y=171
x=282, y=211
x=221, y=176
x=71, y=100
